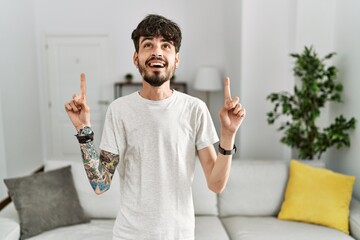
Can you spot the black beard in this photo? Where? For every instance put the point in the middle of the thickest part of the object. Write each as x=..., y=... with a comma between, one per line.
x=155, y=79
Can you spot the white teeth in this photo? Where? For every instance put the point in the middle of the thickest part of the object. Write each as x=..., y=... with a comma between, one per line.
x=156, y=65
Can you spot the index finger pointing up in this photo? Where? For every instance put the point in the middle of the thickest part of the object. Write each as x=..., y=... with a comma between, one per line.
x=82, y=85
x=227, y=92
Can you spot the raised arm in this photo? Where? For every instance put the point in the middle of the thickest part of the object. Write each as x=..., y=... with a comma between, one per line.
x=217, y=166
x=99, y=168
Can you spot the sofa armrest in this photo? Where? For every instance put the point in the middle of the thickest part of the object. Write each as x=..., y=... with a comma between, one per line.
x=9, y=229
x=355, y=218
x=9, y=223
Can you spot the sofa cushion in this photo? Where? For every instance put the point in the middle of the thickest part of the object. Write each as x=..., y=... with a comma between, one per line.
x=9, y=229
x=205, y=201
x=105, y=205
x=317, y=195
x=99, y=229
x=271, y=228
x=355, y=218
x=45, y=201
x=9, y=223
x=254, y=188
x=9, y=212
x=209, y=228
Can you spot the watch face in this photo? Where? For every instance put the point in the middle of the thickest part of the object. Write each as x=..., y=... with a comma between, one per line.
x=85, y=131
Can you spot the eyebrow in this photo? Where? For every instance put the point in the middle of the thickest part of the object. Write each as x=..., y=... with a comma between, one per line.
x=146, y=38
x=151, y=38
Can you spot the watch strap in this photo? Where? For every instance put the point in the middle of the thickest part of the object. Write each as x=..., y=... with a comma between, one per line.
x=227, y=152
x=85, y=135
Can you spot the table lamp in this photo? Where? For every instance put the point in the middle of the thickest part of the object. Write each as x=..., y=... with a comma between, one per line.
x=208, y=79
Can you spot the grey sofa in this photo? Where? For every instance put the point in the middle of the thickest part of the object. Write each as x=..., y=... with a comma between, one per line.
x=246, y=210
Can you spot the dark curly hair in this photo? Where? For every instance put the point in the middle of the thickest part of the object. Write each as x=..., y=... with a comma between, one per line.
x=155, y=25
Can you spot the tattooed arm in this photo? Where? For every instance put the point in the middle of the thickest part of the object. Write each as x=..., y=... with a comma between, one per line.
x=99, y=169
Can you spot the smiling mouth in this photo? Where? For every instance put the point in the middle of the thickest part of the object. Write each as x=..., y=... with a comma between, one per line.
x=156, y=62
x=156, y=65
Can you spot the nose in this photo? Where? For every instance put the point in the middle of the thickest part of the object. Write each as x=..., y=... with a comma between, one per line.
x=157, y=52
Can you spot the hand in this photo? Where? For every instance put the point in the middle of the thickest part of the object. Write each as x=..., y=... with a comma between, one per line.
x=77, y=109
x=232, y=113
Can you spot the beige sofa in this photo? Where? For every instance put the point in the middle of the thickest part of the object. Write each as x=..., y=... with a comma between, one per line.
x=246, y=210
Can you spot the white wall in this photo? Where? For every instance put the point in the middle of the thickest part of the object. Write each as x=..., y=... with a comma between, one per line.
x=266, y=40
x=346, y=44
x=117, y=18
x=19, y=85
x=315, y=25
x=204, y=45
x=3, y=169
x=232, y=41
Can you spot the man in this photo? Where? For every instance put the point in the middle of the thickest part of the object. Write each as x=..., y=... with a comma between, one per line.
x=153, y=137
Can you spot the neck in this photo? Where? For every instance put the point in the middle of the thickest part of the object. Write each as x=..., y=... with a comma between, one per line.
x=156, y=93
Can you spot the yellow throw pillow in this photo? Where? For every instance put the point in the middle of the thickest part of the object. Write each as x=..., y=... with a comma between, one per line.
x=317, y=195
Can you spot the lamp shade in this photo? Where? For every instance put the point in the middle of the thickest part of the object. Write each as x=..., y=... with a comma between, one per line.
x=208, y=79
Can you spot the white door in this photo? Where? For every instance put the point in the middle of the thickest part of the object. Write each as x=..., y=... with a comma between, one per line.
x=67, y=57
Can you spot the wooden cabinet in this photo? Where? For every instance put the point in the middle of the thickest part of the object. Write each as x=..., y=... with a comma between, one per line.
x=124, y=88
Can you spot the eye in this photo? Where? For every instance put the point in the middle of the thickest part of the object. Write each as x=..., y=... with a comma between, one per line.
x=167, y=46
x=147, y=45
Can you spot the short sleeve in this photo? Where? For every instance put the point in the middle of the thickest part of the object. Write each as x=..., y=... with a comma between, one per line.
x=205, y=130
x=108, y=140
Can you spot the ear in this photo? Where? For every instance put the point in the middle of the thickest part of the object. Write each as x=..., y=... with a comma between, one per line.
x=177, y=60
x=135, y=59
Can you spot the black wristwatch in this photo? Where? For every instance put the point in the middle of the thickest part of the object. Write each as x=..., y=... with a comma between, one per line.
x=85, y=135
x=227, y=152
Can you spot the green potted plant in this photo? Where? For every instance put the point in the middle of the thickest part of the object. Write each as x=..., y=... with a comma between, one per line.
x=316, y=85
x=128, y=77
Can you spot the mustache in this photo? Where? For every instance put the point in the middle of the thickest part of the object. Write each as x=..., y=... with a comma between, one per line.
x=156, y=58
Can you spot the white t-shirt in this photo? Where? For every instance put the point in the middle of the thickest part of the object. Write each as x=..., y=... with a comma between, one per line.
x=157, y=142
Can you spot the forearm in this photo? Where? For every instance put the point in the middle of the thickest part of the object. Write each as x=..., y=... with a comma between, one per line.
x=94, y=170
x=222, y=166
x=220, y=173
x=217, y=168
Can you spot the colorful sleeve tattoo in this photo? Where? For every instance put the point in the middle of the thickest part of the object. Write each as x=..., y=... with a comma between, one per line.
x=99, y=169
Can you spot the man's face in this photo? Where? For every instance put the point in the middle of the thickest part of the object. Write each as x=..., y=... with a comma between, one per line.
x=156, y=60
